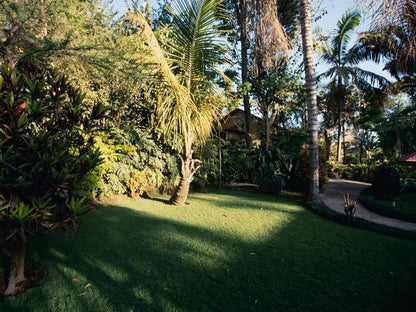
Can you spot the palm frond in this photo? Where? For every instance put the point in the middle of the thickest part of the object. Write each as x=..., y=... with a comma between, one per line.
x=345, y=27
x=196, y=40
x=330, y=73
x=175, y=109
x=187, y=103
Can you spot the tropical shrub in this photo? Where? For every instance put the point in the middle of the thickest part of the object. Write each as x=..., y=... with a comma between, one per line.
x=239, y=164
x=46, y=153
x=390, y=179
x=125, y=154
x=357, y=172
x=137, y=183
x=269, y=179
x=208, y=173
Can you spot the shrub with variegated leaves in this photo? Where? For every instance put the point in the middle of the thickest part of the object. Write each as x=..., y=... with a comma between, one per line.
x=46, y=155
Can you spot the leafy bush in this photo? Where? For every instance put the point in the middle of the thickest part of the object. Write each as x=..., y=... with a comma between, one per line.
x=125, y=154
x=46, y=153
x=269, y=178
x=208, y=173
x=239, y=164
x=390, y=179
x=356, y=172
x=138, y=181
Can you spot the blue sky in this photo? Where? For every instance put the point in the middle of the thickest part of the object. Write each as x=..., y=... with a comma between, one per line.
x=335, y=9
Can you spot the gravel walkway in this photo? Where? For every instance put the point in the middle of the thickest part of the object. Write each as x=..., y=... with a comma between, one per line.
x=333, y=198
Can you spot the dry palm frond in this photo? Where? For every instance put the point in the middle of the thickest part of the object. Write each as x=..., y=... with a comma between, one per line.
x=271, y=37
x=176, y=105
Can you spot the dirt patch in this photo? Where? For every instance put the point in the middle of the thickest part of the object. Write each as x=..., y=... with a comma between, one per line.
x=113, y=199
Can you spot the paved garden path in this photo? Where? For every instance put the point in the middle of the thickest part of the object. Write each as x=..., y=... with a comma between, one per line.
x=333, y=198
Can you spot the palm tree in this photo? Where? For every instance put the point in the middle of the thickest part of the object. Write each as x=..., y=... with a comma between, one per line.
x=393, y=37
x=344, y=74
x=188, y=101
x=309, y=65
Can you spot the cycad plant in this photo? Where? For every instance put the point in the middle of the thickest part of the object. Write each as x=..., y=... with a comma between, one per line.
x=188, y=99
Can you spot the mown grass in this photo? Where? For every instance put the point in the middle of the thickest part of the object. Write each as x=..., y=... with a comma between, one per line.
x=405, y=208
x=226, y=251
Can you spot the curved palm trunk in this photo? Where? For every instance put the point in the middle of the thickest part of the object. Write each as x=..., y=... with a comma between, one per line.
x=17, y=268
x=188, y=170
x=309, y=65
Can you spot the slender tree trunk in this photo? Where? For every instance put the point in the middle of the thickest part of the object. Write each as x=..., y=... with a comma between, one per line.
x=17, y=268
x=327, y=144
x=241, y=7
x=339, y=138
x=398, y=144
x=344, y=146
x=220, y=160
x=266, y=123
x=311, y=92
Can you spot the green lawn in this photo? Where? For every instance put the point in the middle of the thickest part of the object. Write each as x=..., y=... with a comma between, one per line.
x=408, y=200
x=226, y=251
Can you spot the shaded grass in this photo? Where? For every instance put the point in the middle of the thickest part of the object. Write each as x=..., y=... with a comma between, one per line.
x=408, y=200
x=405, y=210
x=226, y=251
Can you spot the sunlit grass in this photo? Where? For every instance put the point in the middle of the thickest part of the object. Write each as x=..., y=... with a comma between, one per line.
x=226, y=251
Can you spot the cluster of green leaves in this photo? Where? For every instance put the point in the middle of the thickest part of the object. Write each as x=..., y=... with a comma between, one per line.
x=280, y=166
x=128, y=155
x=46, y=151
x=357, y=172
x=390, y=179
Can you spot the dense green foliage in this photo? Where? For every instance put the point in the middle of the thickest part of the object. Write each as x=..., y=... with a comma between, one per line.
x=356, y=172
x=131, y=161
x=390, y=179
x=226, y=251
x=46, y=154
x=46, y=150
x=278, y=168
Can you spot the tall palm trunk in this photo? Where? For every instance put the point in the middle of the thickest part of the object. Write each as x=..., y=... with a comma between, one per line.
x=339, y=137
x=309, y=66
x=241, y=7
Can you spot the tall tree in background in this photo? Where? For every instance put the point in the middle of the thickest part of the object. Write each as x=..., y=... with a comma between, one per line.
x=75, y=38
x=189, y=102
x=393, y=37
x=271, y=72
x=258, y=19
x=307, y=43
x=344, y=73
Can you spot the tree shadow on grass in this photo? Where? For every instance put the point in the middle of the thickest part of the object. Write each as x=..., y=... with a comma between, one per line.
x=125, y=260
